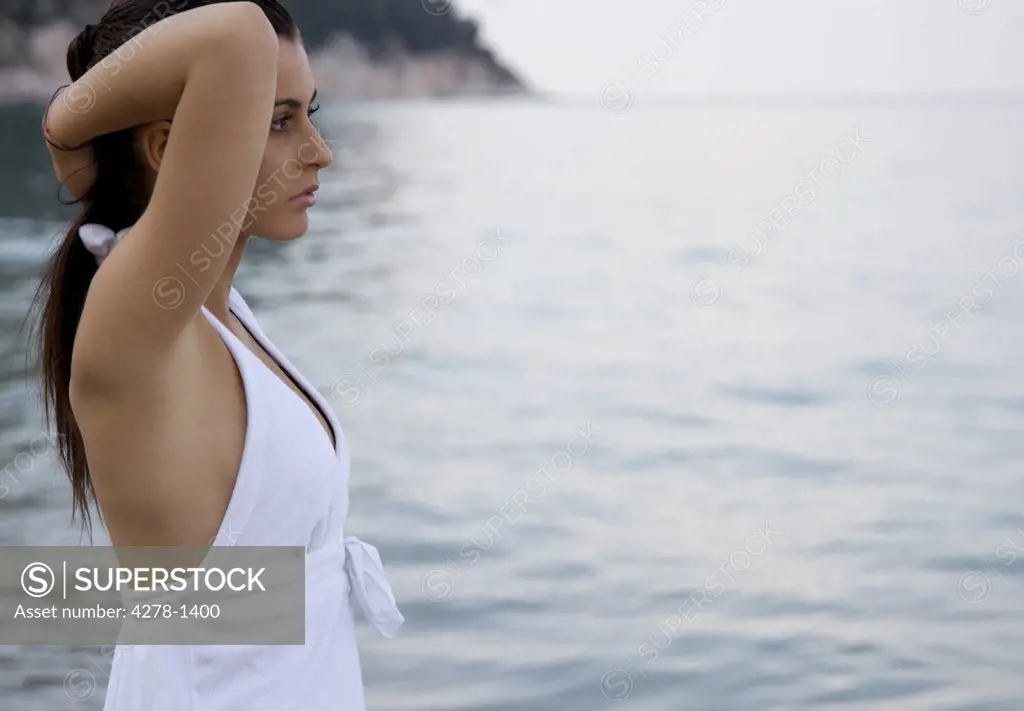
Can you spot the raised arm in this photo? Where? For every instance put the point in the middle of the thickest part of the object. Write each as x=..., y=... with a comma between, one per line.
x=214, y=69
x=144, y=79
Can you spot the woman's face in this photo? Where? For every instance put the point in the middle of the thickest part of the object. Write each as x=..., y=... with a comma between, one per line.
x=293, y=158
x=295, y=153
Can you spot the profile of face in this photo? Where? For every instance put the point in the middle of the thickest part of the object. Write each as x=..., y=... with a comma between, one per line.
x=295, y=152
x=294, y=156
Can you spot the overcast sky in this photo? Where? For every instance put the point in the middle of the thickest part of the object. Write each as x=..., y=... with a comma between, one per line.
x=759, y=45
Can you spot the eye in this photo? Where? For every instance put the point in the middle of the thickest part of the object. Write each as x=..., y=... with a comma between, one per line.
x=313, y=108
x=280, y=124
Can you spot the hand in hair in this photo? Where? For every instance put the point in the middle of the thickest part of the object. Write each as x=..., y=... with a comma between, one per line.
x=75, y=167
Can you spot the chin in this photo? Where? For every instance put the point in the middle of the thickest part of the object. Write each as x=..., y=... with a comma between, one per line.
x=283, y=228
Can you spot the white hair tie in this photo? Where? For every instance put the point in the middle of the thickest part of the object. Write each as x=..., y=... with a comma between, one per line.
x=99, y=239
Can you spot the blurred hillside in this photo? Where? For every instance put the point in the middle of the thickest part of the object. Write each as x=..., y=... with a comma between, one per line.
x=358, y=48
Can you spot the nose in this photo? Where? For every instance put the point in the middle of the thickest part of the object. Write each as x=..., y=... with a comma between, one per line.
x=314, y=150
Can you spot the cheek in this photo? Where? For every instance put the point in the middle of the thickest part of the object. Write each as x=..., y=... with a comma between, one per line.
x=269, y=170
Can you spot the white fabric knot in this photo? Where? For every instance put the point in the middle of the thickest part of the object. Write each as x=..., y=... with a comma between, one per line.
x=370, y=587
x=99, y=239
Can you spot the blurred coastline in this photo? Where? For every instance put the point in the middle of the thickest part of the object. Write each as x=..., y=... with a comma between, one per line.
x=343, y=71
x=364, y=49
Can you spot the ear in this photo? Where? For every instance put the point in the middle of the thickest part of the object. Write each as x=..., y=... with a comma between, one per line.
x=152, y=142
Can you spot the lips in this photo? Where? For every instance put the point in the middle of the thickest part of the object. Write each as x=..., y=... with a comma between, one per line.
x=307, y=192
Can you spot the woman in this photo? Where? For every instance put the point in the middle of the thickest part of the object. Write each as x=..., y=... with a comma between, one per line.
x=187, y=130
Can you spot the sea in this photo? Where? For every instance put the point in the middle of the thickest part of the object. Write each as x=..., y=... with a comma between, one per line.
x=703, y=404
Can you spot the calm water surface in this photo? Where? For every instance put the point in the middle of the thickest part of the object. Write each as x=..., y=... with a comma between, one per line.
x=684, y=408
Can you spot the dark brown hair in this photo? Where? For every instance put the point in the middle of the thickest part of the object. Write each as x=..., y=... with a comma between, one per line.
x=117, y=198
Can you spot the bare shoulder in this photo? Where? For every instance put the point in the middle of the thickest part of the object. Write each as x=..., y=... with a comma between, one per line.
x=163, y=457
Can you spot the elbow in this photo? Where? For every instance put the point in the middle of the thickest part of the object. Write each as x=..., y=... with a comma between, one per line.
x=244, y=38
x=250, y=24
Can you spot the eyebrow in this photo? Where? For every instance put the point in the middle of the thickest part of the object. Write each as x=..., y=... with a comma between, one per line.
x=294, y=103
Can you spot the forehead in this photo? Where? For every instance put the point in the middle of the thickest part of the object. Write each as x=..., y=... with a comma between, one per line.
x=294, y=76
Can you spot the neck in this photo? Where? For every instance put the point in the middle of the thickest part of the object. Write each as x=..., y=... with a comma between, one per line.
x=217, y=301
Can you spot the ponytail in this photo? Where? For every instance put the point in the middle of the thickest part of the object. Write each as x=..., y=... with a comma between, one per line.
x=61, y=292
x=116, y=199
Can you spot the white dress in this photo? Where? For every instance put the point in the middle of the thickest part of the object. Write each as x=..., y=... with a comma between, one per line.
x=291, y=490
